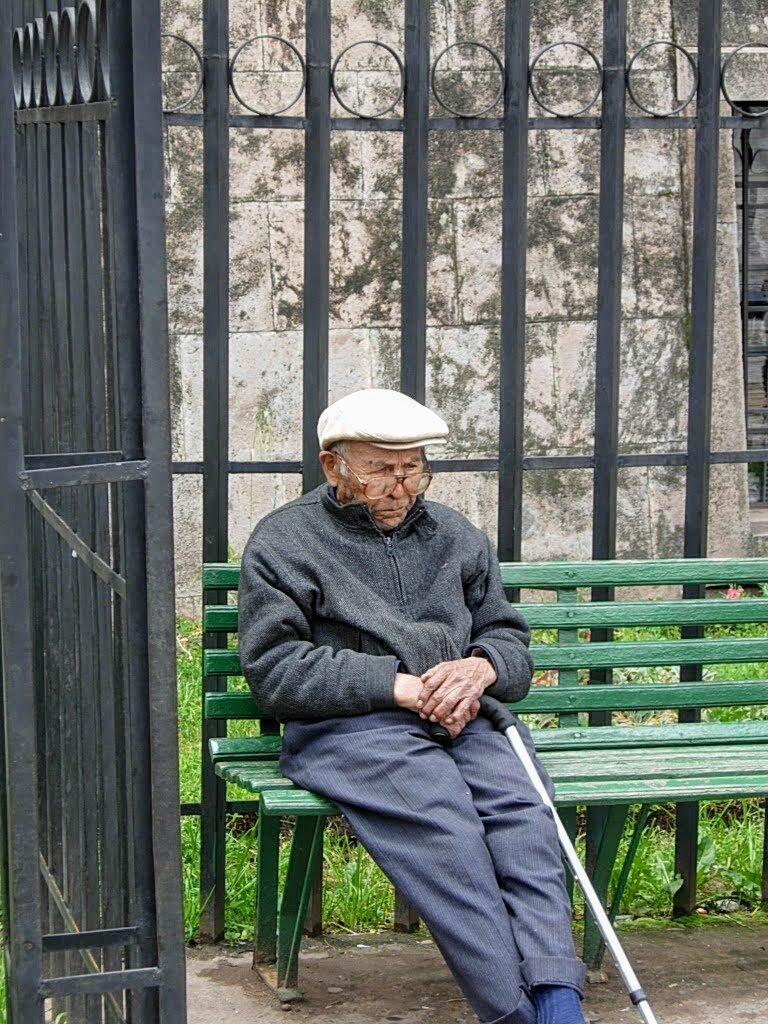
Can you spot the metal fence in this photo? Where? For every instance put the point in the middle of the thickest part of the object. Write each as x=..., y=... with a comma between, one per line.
x=508, y=113
x=89, y=799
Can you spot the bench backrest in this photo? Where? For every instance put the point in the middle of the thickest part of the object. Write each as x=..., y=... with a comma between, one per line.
x=569, y=651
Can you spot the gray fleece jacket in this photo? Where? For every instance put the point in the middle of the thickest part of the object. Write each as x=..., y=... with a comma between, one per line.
x=331, y=607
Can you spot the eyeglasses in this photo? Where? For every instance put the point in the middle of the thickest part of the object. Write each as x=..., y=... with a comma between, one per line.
x=381, y=484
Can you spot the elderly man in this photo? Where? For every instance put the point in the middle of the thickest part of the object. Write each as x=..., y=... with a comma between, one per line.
x=368, y=614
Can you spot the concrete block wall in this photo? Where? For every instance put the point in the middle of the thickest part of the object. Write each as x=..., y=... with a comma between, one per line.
x=266, y=266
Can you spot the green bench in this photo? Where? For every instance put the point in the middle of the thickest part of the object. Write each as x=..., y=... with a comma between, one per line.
x=584, y=683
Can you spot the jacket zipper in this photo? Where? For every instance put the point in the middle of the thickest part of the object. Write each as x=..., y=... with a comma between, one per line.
x=391, y=554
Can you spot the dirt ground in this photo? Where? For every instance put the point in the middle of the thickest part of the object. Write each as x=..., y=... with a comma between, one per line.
x=712, y=974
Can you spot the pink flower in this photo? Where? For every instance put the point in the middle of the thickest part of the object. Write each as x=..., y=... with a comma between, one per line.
x=733, y=593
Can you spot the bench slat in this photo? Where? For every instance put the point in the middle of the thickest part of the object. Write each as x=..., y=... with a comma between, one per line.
x=660, y=762
x=253, y=775
x=663, y=571
x=590, y=614
x=680, y=734
x=221, y=575
x=615, y=614
x=642, y=696
x=649, y=791
x=234, y=748
x=296, y=801
x=231, y=705
x=650, y=653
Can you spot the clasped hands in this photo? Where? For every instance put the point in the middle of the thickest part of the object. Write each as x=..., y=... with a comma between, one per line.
x=448, y=693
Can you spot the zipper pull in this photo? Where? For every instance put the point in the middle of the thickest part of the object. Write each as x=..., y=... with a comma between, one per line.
x=388, y=542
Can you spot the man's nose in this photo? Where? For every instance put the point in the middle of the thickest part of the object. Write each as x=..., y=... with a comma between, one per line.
x=399, y=489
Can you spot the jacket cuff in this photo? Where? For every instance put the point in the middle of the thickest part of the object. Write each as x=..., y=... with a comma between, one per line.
x=380, y=682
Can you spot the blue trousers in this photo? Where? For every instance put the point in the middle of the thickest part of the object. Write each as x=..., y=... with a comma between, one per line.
x=464, y=837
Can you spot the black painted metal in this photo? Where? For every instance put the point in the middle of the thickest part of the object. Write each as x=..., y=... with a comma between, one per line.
x=415, y=126
x=89, y=795
x=413, y=344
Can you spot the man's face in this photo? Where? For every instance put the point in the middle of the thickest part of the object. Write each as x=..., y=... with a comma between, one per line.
x=367, y=461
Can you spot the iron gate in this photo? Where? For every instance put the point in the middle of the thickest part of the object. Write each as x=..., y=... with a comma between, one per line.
x=509, y=115
x=90, y=854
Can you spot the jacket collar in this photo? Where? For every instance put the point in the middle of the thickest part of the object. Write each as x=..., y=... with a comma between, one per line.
x=356, y=515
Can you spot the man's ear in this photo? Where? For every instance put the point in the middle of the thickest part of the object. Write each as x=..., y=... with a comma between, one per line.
x=330, y=467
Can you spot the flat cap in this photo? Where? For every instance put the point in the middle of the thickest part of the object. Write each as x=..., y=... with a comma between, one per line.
x=385, y=418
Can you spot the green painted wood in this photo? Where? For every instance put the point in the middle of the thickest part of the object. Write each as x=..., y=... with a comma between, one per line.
x=223, y=617
x=551, y=575
x=230, y=705
x=642, y=696
x=614, y=654
x=569, y=635
x=267, y=874
x=305, y=856
x=680, y=735
x=656, y=791
x=221, y=663
x=234, y=748
x=605, y=857
x=615, y=614
x=255, y=776
x=221, y=575
x=657, y=762
x=297, y=802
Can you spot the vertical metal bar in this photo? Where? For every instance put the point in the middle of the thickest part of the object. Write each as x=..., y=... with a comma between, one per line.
x=215, y=424
x=317, y=200
x=413, y=353
x=513, y=258
x=607, y=358
x=159, y=594
x=700, y=380
x=18, y=774
x=130, y=510
x=745, y=168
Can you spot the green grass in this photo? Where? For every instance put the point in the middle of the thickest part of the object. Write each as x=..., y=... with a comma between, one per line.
x=357, y=896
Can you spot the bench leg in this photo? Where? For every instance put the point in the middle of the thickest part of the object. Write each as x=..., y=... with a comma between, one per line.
x=267, y=870
x=306, y=853
x=406, y=918
x=594, y=947
x=569, y=818
x=213, y=838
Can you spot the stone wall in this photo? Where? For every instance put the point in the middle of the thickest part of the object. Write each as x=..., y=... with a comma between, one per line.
x=266, y=253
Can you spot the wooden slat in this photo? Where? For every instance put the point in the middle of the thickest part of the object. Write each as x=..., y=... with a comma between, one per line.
x=221, y=663
x=725, y=787
x=221, y=575
x=642, y=696
x=615, y=614
x=254, y=776
x=231, y=705
x=649, y=653
x=223, y=617
x=298, y=802
x=237, y=748
x=660, y=762
x=680, y=734
x=661, y=572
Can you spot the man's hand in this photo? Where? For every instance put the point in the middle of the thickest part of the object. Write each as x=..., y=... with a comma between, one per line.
x=407, y=691
x=451, y=691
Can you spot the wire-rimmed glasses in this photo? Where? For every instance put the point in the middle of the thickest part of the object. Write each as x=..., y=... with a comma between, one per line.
x=381, y=484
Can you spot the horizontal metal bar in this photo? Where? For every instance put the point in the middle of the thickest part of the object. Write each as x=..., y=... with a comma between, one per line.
x=754, y=455
x=58, y=941
x=187, y=468
x=558, y=462
x=629, y=459
x=95, y=563
x=232, y=807
x=465, y=465
x=107, y=981
x=83, y=475
x=99, y=111
x=51, y=460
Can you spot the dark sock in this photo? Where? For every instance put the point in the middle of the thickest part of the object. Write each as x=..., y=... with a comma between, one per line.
x=557, y=1004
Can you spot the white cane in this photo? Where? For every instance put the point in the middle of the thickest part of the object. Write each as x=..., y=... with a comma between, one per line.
x=504, y=721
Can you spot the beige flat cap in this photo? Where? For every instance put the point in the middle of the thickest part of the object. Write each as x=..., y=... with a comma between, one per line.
x=387, y=419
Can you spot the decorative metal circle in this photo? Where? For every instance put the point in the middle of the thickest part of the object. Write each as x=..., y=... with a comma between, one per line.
x=85, y=51
x=17, y=64
x=535, y=93
x=102, y=46
x=297, y=55
x=688, y=98
x=498, y=94
x=198, y=84
x=67, y=36
x=400, y=68
x=26, y=64
x=724, y=72
x=51, y=59
x=37, y=62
